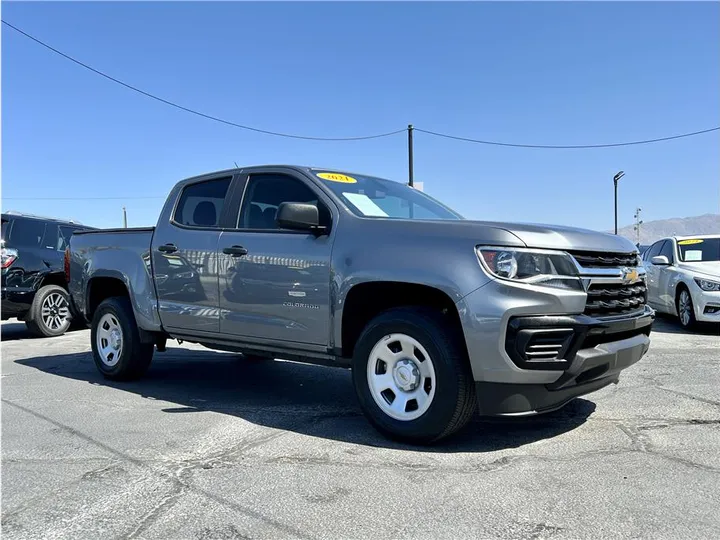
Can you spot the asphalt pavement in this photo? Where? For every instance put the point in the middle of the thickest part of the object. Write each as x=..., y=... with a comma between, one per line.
x=212, y=446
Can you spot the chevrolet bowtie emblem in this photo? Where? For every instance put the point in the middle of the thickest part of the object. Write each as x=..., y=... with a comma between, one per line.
x=629, y=275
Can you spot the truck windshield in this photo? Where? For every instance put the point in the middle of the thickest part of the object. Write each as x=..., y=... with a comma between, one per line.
x=699, y=249
x=368, y=196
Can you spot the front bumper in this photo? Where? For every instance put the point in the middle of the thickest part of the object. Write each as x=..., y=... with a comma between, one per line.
x=706, y=304
x=591, y=362
x=496, y=323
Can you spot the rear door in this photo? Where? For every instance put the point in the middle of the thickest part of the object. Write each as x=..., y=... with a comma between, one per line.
x=279, y=290
x=184, y=258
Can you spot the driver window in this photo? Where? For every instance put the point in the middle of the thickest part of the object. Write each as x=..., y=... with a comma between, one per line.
x=653, y=250
x=265, y=193
x=667, y=250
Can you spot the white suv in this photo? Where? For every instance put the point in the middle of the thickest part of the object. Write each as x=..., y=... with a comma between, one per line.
x=683, y=277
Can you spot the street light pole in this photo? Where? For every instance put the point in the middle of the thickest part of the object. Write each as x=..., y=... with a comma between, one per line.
x=617, y=177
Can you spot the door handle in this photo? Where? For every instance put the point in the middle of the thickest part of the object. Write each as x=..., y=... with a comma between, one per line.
x=168, y=248
x=235, y=251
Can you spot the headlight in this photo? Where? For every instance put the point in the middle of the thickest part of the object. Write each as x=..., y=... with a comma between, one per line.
x=707, y=285
x=534, y=267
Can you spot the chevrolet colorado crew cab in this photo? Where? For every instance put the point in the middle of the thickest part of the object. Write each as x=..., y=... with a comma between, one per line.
x=436, y=316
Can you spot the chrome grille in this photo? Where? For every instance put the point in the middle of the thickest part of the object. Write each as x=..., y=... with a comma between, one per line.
x=592, y=259
x=615, y=299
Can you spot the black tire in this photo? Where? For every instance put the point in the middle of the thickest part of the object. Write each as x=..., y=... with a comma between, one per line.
x=454, y=401
x=690, y=322
x=134, y=357
x=48, y=325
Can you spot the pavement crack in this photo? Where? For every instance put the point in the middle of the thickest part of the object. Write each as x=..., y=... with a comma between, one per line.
x=287, y=530
x=158, y=510
x=690, y=396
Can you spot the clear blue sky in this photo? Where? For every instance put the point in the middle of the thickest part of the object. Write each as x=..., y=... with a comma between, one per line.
x=551, y=73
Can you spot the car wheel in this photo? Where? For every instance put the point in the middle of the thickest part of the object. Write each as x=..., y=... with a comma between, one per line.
x=117, y=350
x=412, y=376
x=50, y=312
x=685, y=309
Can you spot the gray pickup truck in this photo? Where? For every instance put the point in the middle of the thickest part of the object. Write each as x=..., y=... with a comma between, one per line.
x=436, y=315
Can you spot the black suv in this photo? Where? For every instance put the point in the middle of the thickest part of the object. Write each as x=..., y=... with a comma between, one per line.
x=34, y=288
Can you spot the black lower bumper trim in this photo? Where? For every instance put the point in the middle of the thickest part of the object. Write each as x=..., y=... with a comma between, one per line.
x=578, y=332
x=499, y=399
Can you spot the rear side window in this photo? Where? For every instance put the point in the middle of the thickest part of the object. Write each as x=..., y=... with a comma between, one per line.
x=201, y=204
x=27, y=233
x=57, y=237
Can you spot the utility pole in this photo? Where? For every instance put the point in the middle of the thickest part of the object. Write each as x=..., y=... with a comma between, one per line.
x=638, y=222
x=410, y=155
x=617, y=177
x=124, y=218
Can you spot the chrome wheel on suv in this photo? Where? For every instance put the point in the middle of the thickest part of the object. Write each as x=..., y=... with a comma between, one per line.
x=50, y=312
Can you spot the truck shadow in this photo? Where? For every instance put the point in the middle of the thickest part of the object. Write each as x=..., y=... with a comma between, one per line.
x=310, y=400
x=669, y=324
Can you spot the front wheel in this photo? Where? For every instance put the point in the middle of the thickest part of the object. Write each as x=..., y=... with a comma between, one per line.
x=117, y=350
x=412, y=376
x=686, y=311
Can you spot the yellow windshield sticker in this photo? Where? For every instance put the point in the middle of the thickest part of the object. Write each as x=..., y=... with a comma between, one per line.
x=689, y=242
x=334, y=177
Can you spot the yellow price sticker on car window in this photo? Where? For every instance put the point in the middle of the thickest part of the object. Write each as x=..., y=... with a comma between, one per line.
x=689, y=242
x=334, y=177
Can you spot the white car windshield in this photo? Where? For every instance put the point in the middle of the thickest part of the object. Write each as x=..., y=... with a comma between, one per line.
x=699, y=249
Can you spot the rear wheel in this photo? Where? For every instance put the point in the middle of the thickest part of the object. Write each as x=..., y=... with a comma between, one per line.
x=412, y=376
x=50, y=312
x=685, y=309
x=117, y=350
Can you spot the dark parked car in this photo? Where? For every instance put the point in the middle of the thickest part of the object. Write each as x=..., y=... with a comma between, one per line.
x=34, y=288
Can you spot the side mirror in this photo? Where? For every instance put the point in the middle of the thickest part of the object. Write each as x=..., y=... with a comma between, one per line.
x=299, y=216
x=660, y=260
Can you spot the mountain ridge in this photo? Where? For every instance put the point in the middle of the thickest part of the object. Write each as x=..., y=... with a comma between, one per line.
x=651, y=231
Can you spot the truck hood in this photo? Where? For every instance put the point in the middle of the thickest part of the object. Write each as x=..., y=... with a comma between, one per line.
x=709, y=269
x=565, y=238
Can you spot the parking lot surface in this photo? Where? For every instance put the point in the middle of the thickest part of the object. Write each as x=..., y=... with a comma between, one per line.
x=212, y=446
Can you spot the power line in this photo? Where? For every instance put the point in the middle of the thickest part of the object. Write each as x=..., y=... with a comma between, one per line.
x=377, y=136
x=574, y=146
x=192, y=111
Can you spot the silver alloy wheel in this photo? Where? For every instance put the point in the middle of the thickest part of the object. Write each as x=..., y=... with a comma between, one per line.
x=109, y=339
x=685, y=308
x=54, y=311
x=401, y=377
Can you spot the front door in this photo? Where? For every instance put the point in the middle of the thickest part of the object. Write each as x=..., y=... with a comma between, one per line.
x=184, y=259
x=653, y=275
x=665, y=274
x=275, y=283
